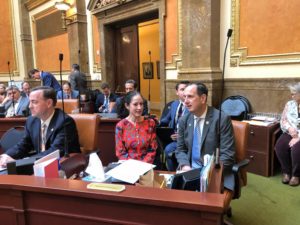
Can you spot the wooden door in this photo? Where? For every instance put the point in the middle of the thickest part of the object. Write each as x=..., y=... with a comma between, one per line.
x=127, y=66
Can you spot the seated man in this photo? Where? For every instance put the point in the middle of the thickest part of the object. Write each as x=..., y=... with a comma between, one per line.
x=17, y=105
x=177, y=109
x=68, y=93
x=25, y=89
x=198, y=134
x=44, y=130
x=106, y=100
x=130, y=85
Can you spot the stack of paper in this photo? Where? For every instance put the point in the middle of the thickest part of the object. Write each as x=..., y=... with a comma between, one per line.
x=130, y=171
x=206, y=172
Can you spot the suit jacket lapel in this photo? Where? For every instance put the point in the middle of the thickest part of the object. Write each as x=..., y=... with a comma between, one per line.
x=51, y=127
x=190, y=124
x=206, y=125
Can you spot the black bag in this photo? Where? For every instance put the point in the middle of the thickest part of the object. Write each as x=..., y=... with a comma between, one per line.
x=237, y=107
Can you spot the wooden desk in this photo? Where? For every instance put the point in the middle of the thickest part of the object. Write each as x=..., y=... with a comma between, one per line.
x=33, y=201
x=260, y=150
x=106, y=136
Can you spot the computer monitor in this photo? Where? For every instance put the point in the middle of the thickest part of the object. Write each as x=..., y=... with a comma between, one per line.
x=189, y=180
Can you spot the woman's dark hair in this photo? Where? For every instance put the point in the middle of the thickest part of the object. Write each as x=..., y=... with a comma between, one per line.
x=48, y=93
x=129, y=96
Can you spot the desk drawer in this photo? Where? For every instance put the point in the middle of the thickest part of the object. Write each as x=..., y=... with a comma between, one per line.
x=258, y=139
x=258, y=163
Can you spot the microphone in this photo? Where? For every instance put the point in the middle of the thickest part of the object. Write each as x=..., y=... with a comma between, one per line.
x=11, y=83
x=217, y=160
x=61, y=58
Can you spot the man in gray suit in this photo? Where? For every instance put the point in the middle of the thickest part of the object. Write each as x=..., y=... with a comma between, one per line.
x=17, y=105
x=198, y=134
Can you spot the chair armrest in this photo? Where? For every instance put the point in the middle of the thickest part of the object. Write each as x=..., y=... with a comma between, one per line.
x=242, y=164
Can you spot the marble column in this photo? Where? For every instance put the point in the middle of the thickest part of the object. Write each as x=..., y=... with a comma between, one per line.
x=78, y=41
x=200, y=44
x=26, y=38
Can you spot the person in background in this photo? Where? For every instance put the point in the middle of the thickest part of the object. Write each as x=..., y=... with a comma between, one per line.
x=287, y=147
x=3, y=97
x=25, y=89
x=68, y=93
x=45, y=129
x=198, y=134
x=135, y=135
x=120, y=109
x=2, y=88
x=77, y=80
x=47, y=78
x=17, y=105
x=177, y=110
x=106, y=100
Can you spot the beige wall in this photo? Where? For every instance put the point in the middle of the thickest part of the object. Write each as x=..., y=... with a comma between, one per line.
x=149, y=41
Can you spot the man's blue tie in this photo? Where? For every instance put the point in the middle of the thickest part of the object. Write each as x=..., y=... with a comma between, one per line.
x=196, y=154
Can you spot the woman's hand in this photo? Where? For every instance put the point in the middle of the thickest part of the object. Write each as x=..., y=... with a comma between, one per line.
x=174, y=136
x=293, y=141
x=293, y=132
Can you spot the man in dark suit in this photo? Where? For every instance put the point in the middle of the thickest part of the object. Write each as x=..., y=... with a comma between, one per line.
x=44, y=130
x=25, y=89
x=177, y=110
x=130, y=85
x=198, y=134
x=47, y=78
x=67, y=92
x=17, y=105
x=106, y=100
x=77, y=80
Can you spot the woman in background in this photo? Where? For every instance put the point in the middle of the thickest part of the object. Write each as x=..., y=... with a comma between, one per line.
x=288, y=146
x=135, y=134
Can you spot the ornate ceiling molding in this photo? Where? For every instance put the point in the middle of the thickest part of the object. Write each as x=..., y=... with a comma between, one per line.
x=32, y=4
x=102, y=5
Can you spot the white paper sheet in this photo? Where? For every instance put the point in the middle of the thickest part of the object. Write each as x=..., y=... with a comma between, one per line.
x=130, y=170
x=95, y=168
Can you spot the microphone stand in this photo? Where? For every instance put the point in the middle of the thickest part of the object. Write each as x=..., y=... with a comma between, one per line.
x=11, y=83
x=61, y=58
x=217, y=161
x=149, y=97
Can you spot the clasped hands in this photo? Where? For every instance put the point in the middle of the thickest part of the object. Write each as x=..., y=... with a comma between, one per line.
x=294, y=134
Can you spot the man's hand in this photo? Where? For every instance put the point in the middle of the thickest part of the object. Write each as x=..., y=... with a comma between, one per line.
x=4, y=158
x=185, y=168
x=174, y=136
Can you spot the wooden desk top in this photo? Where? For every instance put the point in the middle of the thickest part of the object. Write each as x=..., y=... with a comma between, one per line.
x=133, y=194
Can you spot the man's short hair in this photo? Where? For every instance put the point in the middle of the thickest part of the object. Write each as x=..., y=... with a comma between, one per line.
x=31, y=72
x=104, y=86
x=132, y=82
x=76, y=67
x=48, y=93
x=67, y=83
x=12, y=87
x=186, y=82
x=24, y=82
x=201, y=88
